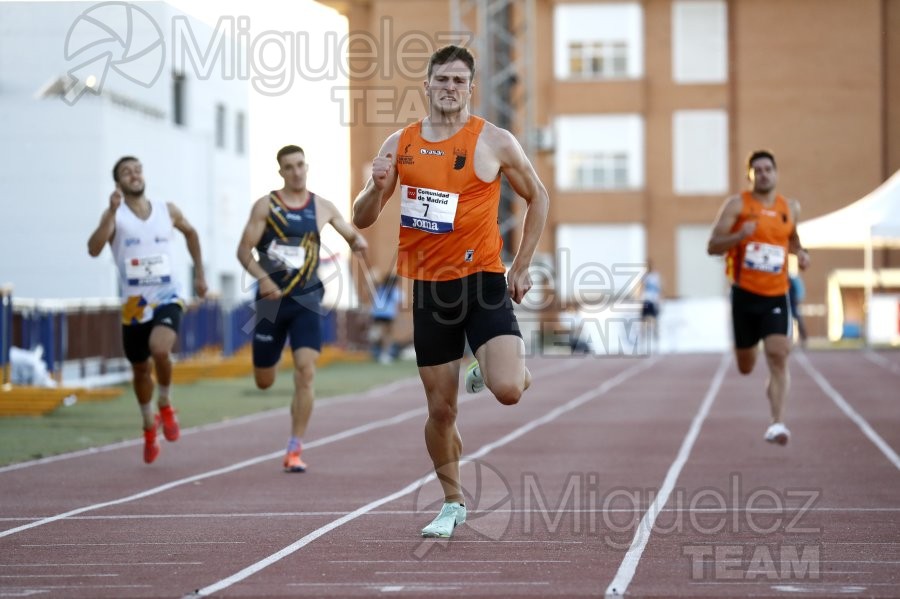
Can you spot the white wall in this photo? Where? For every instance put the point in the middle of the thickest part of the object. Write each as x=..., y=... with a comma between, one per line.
x=58, y=157
x=699, y=274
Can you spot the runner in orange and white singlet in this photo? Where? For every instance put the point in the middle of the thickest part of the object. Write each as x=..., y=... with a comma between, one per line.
x=756, y=230
x=448, y=166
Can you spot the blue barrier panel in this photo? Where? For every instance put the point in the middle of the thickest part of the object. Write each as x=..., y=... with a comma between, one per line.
x=200, y=328
x=62, y=337
x=329, y=327
x=236, y=321
x=6, y=321
x=46, y=327
x=202, y=338
x=211, y=315
x=188, y=333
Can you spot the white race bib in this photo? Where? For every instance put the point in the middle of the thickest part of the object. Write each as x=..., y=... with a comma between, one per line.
x=292, y=256
x=148, y=270
x=764, y=257
x=429, y=210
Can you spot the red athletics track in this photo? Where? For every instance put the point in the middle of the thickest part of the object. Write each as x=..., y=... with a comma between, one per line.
x=647, y=476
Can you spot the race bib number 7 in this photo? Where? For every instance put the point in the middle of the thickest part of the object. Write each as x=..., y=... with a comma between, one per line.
x=764, y=257
x=148, y=270
x=429, y=210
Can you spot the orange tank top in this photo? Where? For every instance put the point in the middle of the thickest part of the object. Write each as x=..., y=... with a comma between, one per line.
x=758, y=264
x=449, y=225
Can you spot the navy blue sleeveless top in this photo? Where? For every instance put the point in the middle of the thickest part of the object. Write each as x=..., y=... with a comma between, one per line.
x=289, y=248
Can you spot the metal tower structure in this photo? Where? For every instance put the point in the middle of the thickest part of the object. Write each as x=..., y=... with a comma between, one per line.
x=501, y=34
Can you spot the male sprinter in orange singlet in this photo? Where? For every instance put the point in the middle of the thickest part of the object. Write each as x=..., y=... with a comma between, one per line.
x=757, y=230
x=449, y=167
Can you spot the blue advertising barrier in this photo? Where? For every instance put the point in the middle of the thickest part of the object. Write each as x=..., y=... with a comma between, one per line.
x=201, y=327
x=97, y=335
x=6, y=321
x=238, y=328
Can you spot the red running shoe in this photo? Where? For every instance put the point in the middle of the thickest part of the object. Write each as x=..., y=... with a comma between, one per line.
x=293, y=463
x=169, y=423
x=151, y=445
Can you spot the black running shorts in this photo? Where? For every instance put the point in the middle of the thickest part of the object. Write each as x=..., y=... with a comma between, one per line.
x=755, y=317
x=446, y=313
x=299, y=317
x=136, y=337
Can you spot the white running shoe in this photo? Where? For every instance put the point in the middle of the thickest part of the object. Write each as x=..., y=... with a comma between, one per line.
x=778, y=433
x=451, y=515
x=474, y=380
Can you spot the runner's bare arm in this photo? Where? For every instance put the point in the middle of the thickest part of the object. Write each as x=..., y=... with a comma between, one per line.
x=107, y=227
x=353, y=237
x=514, y=164
x=722, y=239
x=193, y=244
x=380, y=186
x=253, y=232
x=794, y=245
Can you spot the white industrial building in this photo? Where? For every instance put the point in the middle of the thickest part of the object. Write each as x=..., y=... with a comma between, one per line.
x=186, y=124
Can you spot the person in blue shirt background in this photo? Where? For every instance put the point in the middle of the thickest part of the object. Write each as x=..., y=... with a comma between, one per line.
x=385, y=303
x=796, y=293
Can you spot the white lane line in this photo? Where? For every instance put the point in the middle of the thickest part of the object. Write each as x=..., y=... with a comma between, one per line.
x=561, y=510
x=58, y=575
x=132, y=543
x=871, y=356
x=326, y=401
x=848, y=410
x=415, y=585
x=43, y=587
x=413, y=486
x=418, y=541
x=438, y=572
x=452, y=561
x=219, y=471
x=100, y=564
x=352, y=432
x=629, y=564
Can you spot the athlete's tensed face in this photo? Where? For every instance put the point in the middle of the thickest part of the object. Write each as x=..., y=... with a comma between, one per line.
x=131, y=178
x=449, y=87
x=763, y=175
x=293, y=170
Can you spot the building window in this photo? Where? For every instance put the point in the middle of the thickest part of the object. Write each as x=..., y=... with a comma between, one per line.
x=178, y=98
x=598, y=59
x=700, y=152
x=598, y=41
x=240, y=127
x=220, y=125
x=599, y=170
x=699, y=41
x=602, y=152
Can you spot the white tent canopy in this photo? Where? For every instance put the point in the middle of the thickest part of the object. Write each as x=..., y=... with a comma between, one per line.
x=866, y=224
x=874, y=219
